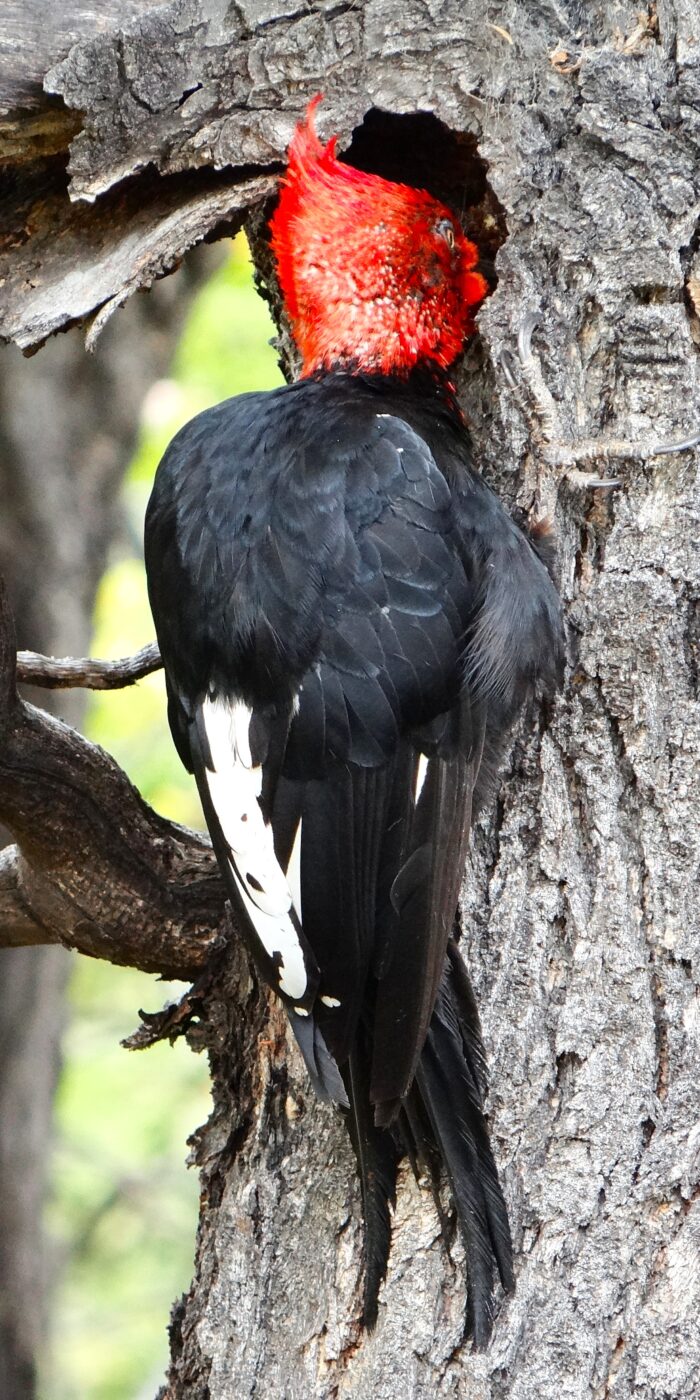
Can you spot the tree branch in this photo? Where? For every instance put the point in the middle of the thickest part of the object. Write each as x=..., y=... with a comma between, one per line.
x=66, y=672
x=95, y=868
x=19, y=924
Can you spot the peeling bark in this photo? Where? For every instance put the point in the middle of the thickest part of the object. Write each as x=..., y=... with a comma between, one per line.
x=580, y=904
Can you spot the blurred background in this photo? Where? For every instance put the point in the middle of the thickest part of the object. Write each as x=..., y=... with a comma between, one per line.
x=84, y=1311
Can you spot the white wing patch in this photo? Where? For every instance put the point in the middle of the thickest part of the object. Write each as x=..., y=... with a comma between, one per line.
x=234, y=787
x=421, y=775
x=294, y=872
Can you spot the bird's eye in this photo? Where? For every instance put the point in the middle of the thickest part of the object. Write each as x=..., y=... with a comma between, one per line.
x=445, y=229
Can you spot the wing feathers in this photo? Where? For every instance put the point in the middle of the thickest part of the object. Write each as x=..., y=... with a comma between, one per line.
x=323, y=1070
x=423, y=897
x=342, y=820
x=294, y=871
x=233, y=785
x=349, y=572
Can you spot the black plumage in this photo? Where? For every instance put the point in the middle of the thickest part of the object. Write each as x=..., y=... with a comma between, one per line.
x=331, y=580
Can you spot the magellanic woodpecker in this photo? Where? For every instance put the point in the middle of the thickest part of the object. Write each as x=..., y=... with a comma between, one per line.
x=350, y=621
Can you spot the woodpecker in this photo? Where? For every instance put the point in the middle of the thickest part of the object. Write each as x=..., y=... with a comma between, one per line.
x=350, y=621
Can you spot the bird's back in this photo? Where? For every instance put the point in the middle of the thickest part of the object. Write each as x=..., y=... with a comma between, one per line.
x=348, y=621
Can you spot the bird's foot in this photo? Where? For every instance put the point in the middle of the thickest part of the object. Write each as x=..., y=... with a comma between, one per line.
x=553, y=444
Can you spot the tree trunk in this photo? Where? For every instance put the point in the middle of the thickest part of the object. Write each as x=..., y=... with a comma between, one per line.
x=576, y=153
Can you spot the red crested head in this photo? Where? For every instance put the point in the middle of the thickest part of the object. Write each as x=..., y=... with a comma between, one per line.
x=375, y=276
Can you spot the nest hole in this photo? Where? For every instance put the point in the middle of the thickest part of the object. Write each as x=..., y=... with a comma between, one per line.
x=420, y=150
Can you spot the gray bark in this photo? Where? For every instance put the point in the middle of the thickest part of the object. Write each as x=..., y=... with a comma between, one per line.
x=581, y=925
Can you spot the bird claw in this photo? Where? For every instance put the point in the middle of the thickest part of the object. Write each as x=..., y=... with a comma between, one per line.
x=662, y=449
x=527, y=327
x=583, y=481
x=507, y=364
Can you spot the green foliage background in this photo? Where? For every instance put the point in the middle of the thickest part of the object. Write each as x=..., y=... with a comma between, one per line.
x=123, y=1207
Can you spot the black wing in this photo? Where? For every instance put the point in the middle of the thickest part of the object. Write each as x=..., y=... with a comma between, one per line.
x=342, y=595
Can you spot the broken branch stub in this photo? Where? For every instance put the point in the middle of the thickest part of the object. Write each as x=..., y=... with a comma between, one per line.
x=91, y=673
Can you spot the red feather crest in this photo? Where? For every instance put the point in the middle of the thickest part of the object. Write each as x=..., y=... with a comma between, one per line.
x=375, y=275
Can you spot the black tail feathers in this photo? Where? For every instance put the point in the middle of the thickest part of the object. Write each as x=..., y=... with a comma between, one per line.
x=377, y=1159
x=450, y=1084
x=442, y=1126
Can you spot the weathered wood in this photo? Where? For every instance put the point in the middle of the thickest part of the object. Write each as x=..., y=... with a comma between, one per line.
x=35, y=34
x=96, y=869
x=63, y=263
x=73, y=672
x=580, y=907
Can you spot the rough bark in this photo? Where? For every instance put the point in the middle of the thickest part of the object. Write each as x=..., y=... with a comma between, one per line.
x=580, y=903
